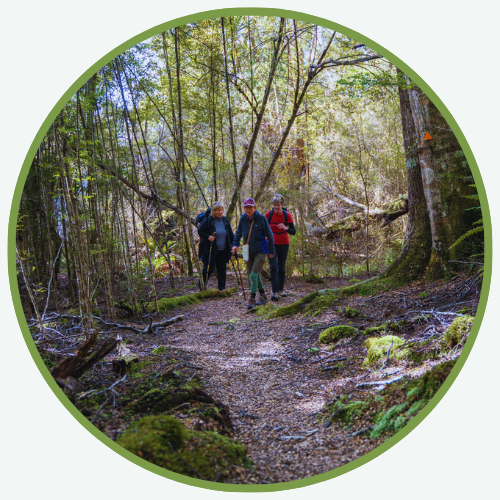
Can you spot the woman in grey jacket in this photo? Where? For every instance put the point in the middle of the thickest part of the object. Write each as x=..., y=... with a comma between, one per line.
x=261, y=243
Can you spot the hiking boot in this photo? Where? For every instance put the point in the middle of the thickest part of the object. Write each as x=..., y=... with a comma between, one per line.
x=275, y=297
x=283, y=294
x=251, y=303
x=262, y=298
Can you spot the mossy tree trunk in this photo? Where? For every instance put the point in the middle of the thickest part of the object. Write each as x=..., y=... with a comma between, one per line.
x=446, y=179
x=414, y=257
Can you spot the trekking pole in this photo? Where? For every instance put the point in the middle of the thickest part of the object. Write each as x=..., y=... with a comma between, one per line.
x=209, y=258
x=239, y=272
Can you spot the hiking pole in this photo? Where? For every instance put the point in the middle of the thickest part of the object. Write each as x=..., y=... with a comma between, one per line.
x=239, y=272
x=209, y=258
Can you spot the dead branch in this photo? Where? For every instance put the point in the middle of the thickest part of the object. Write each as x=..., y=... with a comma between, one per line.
x=77, y=365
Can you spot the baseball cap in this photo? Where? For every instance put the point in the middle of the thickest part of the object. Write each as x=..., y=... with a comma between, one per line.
x=249, y=202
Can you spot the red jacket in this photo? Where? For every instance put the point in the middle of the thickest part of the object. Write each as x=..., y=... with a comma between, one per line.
x=280, y=237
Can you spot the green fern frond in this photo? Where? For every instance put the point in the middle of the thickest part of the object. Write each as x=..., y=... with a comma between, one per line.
x=467, y=235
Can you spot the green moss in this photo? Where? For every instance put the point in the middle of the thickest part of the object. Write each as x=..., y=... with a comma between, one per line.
x=424, y=295
x=169, y=303
x=354, y=280
x=123, y=304
x=378, y=347
x=390, y=421
x=335, y=333
x=324, y=300
x=159, y=350
x=416, y=407
x=346, y=411
x=163, y=440
x=465, y=310
x=314, y=279
x=350, y=312
x=293, y=308
x=374, y=329
x=460, y=327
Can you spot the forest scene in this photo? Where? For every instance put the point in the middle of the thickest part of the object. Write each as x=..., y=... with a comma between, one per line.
x=250, y=250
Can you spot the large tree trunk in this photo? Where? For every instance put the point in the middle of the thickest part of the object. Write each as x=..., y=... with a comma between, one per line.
x=415, y=255
x=446, y=179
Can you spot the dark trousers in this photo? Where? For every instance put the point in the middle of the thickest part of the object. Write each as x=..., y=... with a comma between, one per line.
x=277, y=264
x=218, y=260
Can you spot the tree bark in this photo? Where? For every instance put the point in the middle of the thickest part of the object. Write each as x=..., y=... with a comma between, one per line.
x=446, y=177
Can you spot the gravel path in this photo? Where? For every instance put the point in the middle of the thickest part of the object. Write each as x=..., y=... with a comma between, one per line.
x=273, y=400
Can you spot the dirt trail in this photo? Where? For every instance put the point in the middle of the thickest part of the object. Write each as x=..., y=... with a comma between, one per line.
x=274, y=401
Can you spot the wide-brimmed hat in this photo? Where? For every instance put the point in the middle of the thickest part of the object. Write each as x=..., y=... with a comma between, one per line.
x=249, y=202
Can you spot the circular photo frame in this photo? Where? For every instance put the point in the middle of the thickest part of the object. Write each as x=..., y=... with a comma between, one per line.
x=269, y=103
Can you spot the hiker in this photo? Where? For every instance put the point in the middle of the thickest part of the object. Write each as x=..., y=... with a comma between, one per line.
x=281, y=223
x=216, y=250
x=257, y=234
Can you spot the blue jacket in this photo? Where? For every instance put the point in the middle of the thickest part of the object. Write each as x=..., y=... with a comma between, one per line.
x=260, y=231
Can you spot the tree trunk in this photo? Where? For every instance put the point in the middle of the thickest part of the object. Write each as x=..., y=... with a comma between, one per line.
x=415, y=255
x=446, y=177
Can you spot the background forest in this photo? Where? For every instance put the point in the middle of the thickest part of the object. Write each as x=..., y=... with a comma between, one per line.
x=166, y=129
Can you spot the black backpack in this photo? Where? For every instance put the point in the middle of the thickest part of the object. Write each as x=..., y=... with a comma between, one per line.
x=199, y=220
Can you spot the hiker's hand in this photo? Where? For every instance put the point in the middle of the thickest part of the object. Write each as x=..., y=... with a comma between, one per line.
x=211, y=238
x=281, y=226
x=234, y=250
x=271, y=255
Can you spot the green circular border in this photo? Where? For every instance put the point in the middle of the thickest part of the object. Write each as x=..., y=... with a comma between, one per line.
x=12, y=251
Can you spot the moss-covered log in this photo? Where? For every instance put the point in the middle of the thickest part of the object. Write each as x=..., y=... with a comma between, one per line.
x=387, y=213
x=169, y=303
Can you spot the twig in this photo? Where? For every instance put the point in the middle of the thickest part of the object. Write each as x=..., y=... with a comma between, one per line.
x=388, y=353
x=327, y=357
x=380, y=382
x=361, y=431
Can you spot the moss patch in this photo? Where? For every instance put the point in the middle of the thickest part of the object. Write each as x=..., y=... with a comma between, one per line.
x=159, y=350
x=350, y=312
x=169, y=303
x=346, y=411
x=461, y=326
x=312, y=278
x=294, y=308
x=163, y=440
x=335, y=333
x=378, y=347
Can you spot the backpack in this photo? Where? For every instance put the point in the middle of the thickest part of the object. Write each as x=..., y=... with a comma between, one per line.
x=271, y=213
x=201, y=217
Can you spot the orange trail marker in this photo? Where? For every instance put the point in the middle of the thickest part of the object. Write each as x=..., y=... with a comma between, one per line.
x=427, y=136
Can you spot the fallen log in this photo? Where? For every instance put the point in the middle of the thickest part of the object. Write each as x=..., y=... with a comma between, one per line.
x=84, y=360
x=387, y=213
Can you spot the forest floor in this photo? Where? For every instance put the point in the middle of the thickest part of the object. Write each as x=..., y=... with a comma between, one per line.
x=301, y=408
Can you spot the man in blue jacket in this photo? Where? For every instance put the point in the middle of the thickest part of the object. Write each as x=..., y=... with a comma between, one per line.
x=261, y=243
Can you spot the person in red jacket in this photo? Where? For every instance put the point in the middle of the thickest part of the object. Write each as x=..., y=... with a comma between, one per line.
x=281, y=223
